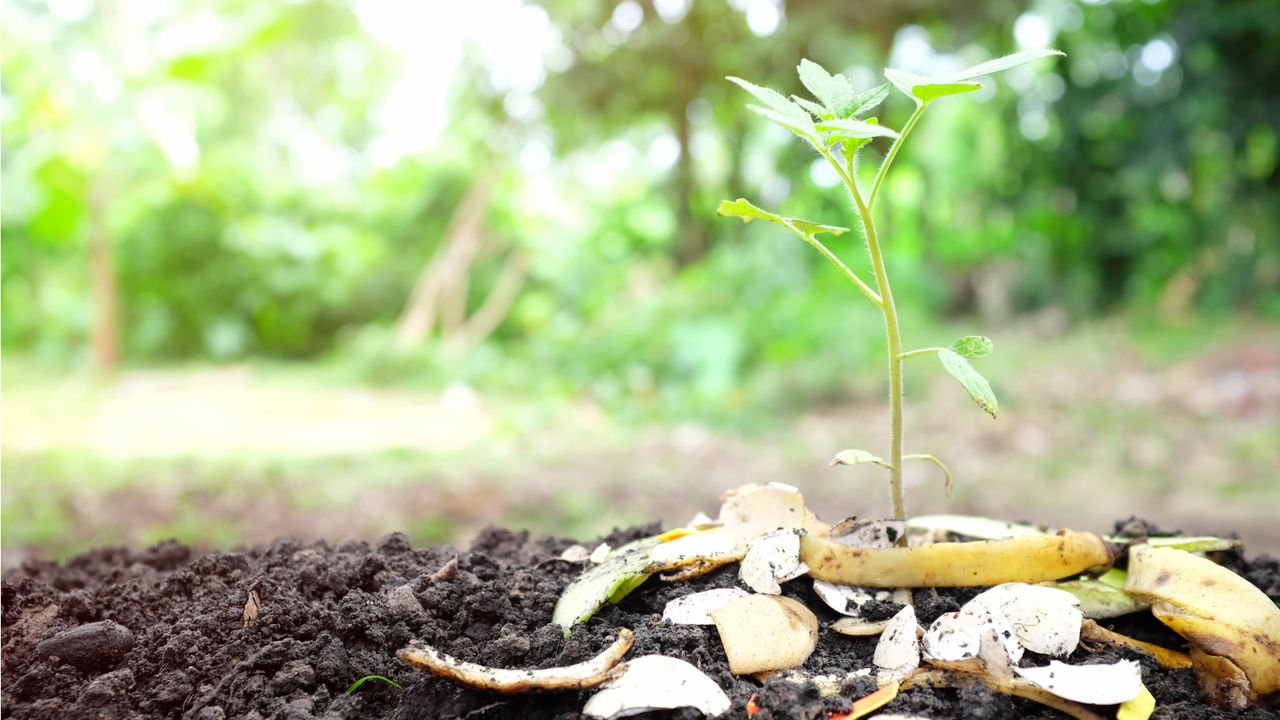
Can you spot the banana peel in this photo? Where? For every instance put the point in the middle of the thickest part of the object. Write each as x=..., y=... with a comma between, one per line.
x=1233, y=627
x=1028, y=559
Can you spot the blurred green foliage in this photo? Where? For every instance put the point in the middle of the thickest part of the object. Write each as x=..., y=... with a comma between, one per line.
x=235, y=156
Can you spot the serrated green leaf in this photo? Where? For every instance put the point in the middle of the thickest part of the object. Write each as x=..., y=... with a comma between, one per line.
x=778, y=108
x=742, y=208
x=857, y=457
x=621, y=572
x=813, y=107
x=833, y=91
x=974, y=384
x=972, y=346
x=1004, y=63
x=857, y=129
x=868, y=100
x=924, y=89
x=927, y=89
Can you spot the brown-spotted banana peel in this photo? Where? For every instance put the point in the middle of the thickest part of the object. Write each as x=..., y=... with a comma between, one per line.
x=1233, y=627
x=1029, y=559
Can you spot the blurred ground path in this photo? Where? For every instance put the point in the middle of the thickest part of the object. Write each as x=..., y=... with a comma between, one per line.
x=233, y=411
x=1090, y=431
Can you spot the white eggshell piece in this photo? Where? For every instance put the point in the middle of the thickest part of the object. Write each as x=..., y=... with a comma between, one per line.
x=844, y=599
x=857, y=627
x=772, y=557
x=765, y=632
x=598, y=555
x=1092, y=684
x=899, y=646
x=957, y=635
x=657, y=682
x=1046, y=620
x=695, y=609
x=753, y=510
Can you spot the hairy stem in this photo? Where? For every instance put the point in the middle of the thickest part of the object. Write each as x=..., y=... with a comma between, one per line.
x=892, y=332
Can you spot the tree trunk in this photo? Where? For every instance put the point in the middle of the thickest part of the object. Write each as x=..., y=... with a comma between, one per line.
x=440, y=276
x=104, y=330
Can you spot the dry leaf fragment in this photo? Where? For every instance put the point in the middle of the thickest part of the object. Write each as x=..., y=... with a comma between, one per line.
x=447, y=572
x=587, y=674
x=1093, y=684
x=695, y=609
x=765, y=632
x=657, y=682
x=251, y=606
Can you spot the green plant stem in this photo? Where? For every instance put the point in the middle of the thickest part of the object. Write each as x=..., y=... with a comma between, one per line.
x=893, y=153
x=921, y=351
x=892, y=332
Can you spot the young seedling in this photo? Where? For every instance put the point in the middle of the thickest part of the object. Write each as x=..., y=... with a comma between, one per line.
x=833, y=127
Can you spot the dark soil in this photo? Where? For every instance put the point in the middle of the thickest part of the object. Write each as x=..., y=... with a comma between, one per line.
x=160, y=633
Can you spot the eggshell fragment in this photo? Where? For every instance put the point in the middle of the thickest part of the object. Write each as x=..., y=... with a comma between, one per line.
x=898, y=651
x=695, y=609
x=765, y=632
x=1092, y=684
x=1046, y=620
x=753, y=510
x=771, y=557
x=957, y=636
x=657, y=682
x=844, y=599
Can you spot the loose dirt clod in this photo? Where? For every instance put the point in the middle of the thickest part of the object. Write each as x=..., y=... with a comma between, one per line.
x=586, y=674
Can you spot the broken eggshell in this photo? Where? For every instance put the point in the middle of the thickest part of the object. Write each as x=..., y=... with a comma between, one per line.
x=1046, y=620
x=696, y=609
x=753, y=510
x=898, y=652
x=765, y=632
x=771, y=558
x=1092, y=684
x=957, y=636
x=657, y=682
x=845, y=599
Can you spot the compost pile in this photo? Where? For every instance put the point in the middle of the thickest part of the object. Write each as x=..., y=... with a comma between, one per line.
x=284, y=631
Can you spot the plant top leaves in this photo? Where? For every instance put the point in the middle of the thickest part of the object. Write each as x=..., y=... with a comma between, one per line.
x=1004, y=63
x=856, y=129
x=742, y=208
x=972, y=346
x=974, y=384
x=926, y=89
x=833, y=91
x=778, y=109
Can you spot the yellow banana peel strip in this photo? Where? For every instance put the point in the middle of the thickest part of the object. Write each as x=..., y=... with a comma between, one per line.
x=1139, y=708
x=1166, y=658
x=1233, y=627
x=1029, y=559
x=1009, y=686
